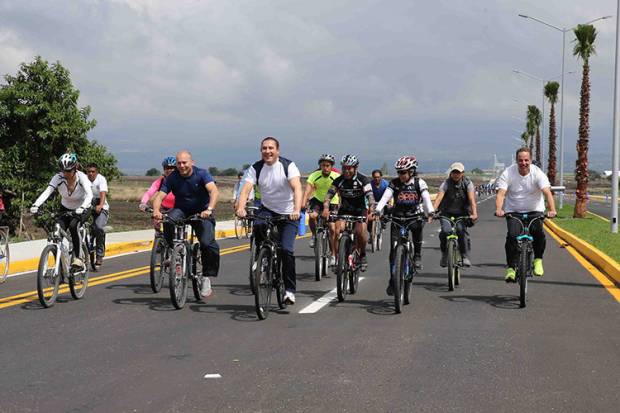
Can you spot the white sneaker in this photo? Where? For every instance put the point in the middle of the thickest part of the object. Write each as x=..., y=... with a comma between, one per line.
x=205, y=287
x=289, y=298
x=332, y=261
x=312, y=241
x=77, y=263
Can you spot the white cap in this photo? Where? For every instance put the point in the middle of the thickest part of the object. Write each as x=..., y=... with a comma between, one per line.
x=457, y=166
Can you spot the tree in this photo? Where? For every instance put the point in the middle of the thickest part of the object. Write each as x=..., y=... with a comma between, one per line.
x=214, y=171
x=525, y=137
x=533, y=129
x=585, y=36
x=551, y=92
x=477, y=171
x=39, y=121
x=153, y=172
x=229, y=172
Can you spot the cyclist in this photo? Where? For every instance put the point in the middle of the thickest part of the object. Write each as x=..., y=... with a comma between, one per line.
x=411, y=200
x=456, y=197
x=76, y=196
x=169, y=164
x=237, y=190
x=101, y=208
x=318, y=183
x=356, y=197
x=520, y=189
x=278, y=180
x=194, y=192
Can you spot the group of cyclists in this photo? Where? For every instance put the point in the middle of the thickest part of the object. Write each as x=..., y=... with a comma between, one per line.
x=185, y=189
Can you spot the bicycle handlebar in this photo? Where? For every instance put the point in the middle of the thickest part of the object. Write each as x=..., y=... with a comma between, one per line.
x=351, y=218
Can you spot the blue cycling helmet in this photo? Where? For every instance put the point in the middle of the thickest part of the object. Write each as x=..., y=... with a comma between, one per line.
x=169, y=161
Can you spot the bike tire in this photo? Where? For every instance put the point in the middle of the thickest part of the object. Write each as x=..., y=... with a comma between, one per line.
x=78, y=282
x=263, y=280
x=318, y=255
x=196, y=270
x=379, y=239
x=6, y=255
x=354, y=275
x=248, y=228
x=239, y=225
x=457, y=268
x=252, y=261
x=178, y=276
x=156, y=272
x=373, y=237
x=451, y=265
x=47, y=280
x=400, y=261
x=522, y=277
x=342, y=268
x=326, y=253
x=408, y=286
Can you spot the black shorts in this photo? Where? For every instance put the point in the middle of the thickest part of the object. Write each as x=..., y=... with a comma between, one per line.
x=358, y=212
x=317, y=206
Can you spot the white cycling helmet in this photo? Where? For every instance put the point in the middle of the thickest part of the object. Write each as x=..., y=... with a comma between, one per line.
x=327, y=157
x=406, y=163
x=349, y=160
x=68, y=161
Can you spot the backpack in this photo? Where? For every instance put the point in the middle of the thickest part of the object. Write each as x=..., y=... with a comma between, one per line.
x=258, y=166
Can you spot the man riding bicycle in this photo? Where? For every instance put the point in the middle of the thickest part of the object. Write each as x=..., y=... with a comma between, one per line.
x=355, y=198
x=101, y=208
x=520, y=190
x=411, y=200
x=456, y=198
x=278, y=180
x=317, y=185
x=75, y=195
x=195, y=192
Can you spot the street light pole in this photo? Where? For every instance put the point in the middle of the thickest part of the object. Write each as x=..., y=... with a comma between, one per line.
x=563, y=30
x=616, y=139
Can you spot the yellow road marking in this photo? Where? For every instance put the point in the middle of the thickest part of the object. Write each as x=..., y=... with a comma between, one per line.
x=598, y=216
x=600, y=277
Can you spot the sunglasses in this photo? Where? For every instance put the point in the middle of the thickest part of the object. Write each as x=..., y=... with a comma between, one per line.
x=170, y=167
x=403, y=172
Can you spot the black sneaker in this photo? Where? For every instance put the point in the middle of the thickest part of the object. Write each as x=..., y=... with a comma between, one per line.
x=417, y=262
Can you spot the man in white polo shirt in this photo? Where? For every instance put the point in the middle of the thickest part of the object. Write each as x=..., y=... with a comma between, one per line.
x=280, y=186
x=101, y=208
x=520, y=190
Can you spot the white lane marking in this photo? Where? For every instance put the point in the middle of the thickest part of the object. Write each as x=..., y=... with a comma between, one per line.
x=321, y=302
x=213, y=376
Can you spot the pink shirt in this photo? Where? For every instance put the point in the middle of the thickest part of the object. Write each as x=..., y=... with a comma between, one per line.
x=168, y=201
x=1, y=204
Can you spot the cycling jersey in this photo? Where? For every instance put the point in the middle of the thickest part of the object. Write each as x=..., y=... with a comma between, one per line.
x=167, y=203
x=410, y=198
x=80, y=195
x=322, y=184
x=353, y=192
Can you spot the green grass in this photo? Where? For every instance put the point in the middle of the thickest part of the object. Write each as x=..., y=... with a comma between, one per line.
x=593, y=230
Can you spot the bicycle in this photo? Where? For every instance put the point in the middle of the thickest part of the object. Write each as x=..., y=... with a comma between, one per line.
x=91, y=244
x=159, y=255
x=243, y=227
x=268, y=272
x=525, y=246
x=376, y=236
x=250, y=219
x=321, y=249
x=5, y=254
x=402, y=267
x=455, y=261
x=349, y=259
x=182, y=261
x=55, y=262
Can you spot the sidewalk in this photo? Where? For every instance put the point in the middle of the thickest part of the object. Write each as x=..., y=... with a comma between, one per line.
x=25, y=255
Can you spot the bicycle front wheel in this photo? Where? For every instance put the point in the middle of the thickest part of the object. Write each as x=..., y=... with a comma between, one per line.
x=4, y=255
x=343, y=268
x=318, y=255
x=379, y=237
x=373, y=237
x=354, y=275
x=239, y=227
x=156, y=273
x=78, y=281
x=48, y=279
x=263, y=281
x=252, y=264
x=92, y=251
x=178, y=276
x=524, y=266
x=326, y=252
x=451, y=264
x=196, y=270
x=400, y=268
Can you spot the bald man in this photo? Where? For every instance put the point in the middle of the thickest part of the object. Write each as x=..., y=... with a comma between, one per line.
x=195, y=192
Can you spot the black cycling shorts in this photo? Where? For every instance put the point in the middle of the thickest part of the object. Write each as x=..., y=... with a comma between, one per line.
x=317, y=206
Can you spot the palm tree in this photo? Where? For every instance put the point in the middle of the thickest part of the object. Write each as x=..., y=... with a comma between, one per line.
x=551, y=92
x=532, y=126
x=585, y=35
x=537, y=118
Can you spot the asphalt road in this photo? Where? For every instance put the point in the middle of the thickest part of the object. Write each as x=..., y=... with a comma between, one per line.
x=124, y=349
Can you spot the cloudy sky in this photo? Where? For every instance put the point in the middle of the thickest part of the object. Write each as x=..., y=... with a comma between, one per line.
x=376, y=78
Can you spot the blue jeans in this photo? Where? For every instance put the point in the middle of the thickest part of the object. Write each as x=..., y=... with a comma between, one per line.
x=205, y=231
x=287, y=231
x=100, y=221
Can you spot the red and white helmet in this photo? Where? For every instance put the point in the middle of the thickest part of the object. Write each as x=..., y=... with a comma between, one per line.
x=405, y=163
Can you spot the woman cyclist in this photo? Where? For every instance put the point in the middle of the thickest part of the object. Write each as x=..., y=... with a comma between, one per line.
x=76, y=196
x=169, y=164
x=411, y=200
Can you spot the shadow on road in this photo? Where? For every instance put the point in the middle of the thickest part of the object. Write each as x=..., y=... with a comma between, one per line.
x=36, y=305
x=506, y=302
x=381, y=307
x=136, y=288
x=155, y=303
x=237, y=312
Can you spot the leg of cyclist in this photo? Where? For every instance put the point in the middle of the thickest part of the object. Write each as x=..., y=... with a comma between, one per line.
x=362, y=238
x=288, y=232
x=446, y=228
x=394, y=234
x=100, y=222
x=210, y=253
x=416, y=231
x=464, y=242
x=71, y=224
x=512, y=253
x=540, y=242
x=314, y=209
x=333, y=237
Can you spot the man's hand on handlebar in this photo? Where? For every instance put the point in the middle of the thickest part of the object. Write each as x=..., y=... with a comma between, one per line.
x=206, y=213
x=157, y=215
x=500, y=213
x=552, y=214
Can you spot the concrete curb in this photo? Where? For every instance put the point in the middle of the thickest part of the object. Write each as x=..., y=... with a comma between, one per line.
x=597, y=257
x=110, y=251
